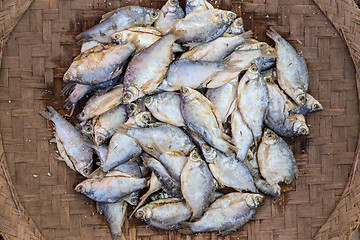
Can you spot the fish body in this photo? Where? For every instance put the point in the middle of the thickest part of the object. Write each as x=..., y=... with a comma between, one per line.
x=217, y=49
x=291, y=69
x=117, y=20
x=115, y=214
x=105, y=125
x=224, y=98
x=227, y=214
x=202, y=117
x=148, y=68
x=242, y=136
x=166, y=108
x=204, y=26
x=166, y=214
x=276, y=160
x=121, y=149
x=253, y=100
x=110, y=188
x=228, y=171
x=197, y=184
x=99, y=104
x=99, y=64
x=73, y=148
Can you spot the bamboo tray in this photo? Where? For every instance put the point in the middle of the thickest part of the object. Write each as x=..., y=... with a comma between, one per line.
x=42, y=46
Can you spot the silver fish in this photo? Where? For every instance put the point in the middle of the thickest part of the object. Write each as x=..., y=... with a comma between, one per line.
x=224, y=98
x=169, y=15
x=111, y=188
x=204, y=26
x=202, y=117
x=142, y=119
x=217, y=49
x=276, y=160
x=117, y=20
x=253, y=100
x=148, y=68
x=227, y=214
x=228, y=171
x=99, y=64
x=73, y=148
x=197, y=185
x=164, y=214
x=236, y=28
x=291, y=69
x=166, y=108
x=278, y=117
x=121, y=149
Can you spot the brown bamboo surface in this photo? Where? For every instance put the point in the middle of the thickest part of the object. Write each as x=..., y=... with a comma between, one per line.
x=346, y=217
x=42, y=46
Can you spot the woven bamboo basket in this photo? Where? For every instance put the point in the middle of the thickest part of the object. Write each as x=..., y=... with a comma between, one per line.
x=37, y=199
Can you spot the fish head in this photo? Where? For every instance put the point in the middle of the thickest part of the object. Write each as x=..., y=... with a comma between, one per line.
x=130, y=95
x=313, y=104
x=121, y=37
x=83, y=115
x=84, y=167
x=99, y=138
x=228, y=17
x=253, y=71
x=153, y=15
x=299, y=127
x=194, y=156
x=187, y=93
x=170, y=6
x=151, y=102
x=83, y=187
x=254, y=200
x=143, y=213
x=143, y=119
x=237, y=26
x=300, y=97
x=70, y=73
x=269, y=137
x=87, y=128
x=208, y=152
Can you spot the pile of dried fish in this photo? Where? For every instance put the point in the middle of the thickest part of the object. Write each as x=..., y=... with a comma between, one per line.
x=189, y=107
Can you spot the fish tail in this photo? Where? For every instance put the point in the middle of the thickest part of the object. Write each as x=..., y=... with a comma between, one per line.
x=119, y=236
x=273, y=34
x=49, y=113
x=247, y=35
x=185, y=228
x=83, y=37
x=68, y=88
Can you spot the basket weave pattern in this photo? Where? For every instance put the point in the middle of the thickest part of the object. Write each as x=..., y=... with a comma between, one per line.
x=41, y=48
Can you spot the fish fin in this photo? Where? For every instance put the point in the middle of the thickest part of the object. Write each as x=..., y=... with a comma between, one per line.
x=108, y=15
x=98, y=208
x=247, y=35
x=226, y=137
x=119, y=237
x=185, y=228
x=117, y=72
x=177, y=48
x=119, y=174
x=273, y=34
x=98, y=173
x=178, y=33
x=49, y=113
x=231, y=150
x=68, y=88
x=142, y=201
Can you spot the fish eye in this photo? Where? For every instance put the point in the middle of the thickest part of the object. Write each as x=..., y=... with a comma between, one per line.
x=268, y=79
x=147, y=100
x=253, y=69
x=303, y=131
x=207, y=149
x=316, y=106
x=132, y=106
x=248, y=156
x=185, y=90
x=88, y=128
x=195, y=156
x=79, y=188
x=82, y=114
x=261, y=45
x=301, y=98
x=173, y=2
x=231, y=15
x=86, y=171
x=133, y=200
x=100, y=139
x=140, y=214
x=145, y=117
x=127, y=96
x=154, y=14
x=116, y=36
